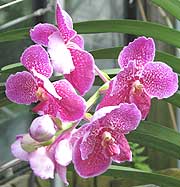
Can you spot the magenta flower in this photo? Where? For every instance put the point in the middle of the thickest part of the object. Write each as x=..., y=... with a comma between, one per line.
x=140, y=79
x=102, y=141
x=65, y=48
x=58, y=99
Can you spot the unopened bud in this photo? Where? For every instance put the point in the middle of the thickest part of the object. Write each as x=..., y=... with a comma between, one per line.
x=42, y=128
x=29, y=144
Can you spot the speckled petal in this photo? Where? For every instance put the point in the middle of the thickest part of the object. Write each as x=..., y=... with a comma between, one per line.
x=71, y=106
x=126, y=117
x=125, y=152
x=63, y=23
x=159, y=80
x=18, y=151
x=142, y=50
x=62, y=170
x=142, y=101
x=40, y=33
x=78, y=39
x=60, y=56
x=36, y=58
x=119, y=87
x=63, y=153
x=41, y=164
x=82, y=77
x=96, y=164
x=21, y=88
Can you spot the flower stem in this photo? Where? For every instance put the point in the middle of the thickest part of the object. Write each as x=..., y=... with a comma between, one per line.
x=102, y=75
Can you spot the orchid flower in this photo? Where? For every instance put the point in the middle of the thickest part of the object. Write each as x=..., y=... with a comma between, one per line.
x=54, y=157
x=58, y=99
x=140, y=79
x=102, y=140
x=65, y=48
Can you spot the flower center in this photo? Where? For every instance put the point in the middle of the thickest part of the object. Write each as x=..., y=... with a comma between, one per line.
x=137, y=87
x=108, y=142
x=41, y=94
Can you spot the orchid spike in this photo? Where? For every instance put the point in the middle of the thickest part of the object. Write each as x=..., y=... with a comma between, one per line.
x=102, y=141
x=140, y=79
x=66, y=50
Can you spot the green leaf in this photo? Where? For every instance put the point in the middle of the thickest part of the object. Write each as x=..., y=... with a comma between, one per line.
x=112, y=53
x=171, y=6
x=158, y=137
x=139, y=28
x=143, y=177
x=13, y=35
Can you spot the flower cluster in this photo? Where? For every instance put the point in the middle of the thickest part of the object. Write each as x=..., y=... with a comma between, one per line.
x=53, y=138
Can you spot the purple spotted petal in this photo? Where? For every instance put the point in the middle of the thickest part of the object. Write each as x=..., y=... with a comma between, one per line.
x=21, y=88
x=67, y=19
x=142, y=101
x=78, y=39
x=62, y=170
x=82, y=77
x=128, y=118
x=40, y=33
x=119, y=88
x=125, y=152
x=60, y=56
x=142, y=50
x=63, y=153
x=63, y=23
x=41, y=164
x=36, y=58
x=159, y=80
x=96, y=164
x=18, y=151
x=71, y=106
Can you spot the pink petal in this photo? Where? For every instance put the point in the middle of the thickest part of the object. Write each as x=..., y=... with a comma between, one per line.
x=142, y=50
x=67, y=19
x=71, y=106
x=78, y=39
x=62, y=170
x=63, y=153
x=159, y=80
x=64, y=25
x=96, y=164
x=126, y=117
x=36, y=58
x=125, y=152
x=119, y=88
x=82, y=77
x=18, y=151
x=21, y=88
x=40, y=33
x=41, y=164
x=60, y=56
x=142, y=101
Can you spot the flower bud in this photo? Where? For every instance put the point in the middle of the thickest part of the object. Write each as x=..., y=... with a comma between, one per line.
x=29, y=144
x=42, y=128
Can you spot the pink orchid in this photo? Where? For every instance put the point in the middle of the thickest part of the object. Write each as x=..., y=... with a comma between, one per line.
x=54, y=157
x=65, y=48
x=140, y=78
x=102, y=141
x=58, y=99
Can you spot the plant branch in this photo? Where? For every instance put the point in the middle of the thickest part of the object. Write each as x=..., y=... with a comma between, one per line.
x=9, y=4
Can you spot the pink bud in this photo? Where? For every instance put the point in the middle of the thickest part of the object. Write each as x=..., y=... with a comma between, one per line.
x=42, y=128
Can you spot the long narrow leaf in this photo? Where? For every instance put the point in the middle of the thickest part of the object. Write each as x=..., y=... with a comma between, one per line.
x=171, y=6
x=157, y=137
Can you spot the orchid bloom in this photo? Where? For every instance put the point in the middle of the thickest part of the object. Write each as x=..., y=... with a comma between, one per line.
x=102, y=140
x=54, y=157
x=58, y=99
x=65, y=48
x=140, y=79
